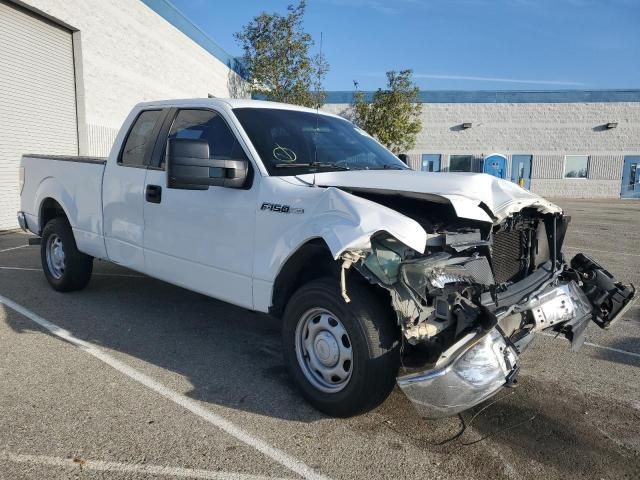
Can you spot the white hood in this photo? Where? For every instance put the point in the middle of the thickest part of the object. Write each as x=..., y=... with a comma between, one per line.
x=465, y=191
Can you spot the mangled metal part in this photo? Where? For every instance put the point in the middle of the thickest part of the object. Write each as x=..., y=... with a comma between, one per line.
x=458, y=241
x=461, y=241
x=557, y=305
x=565, y=307
x=419, y=287
x=348, y=259
x=472, y=370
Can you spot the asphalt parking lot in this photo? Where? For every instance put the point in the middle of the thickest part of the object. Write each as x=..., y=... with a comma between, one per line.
x=135, y=378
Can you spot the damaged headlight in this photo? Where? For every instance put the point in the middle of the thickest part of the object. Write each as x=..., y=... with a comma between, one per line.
x=440, y=269
x=385, y=258
x=487, y=362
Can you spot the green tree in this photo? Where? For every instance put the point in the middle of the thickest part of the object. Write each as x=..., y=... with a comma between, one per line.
x=278, y=61
x=393, y=115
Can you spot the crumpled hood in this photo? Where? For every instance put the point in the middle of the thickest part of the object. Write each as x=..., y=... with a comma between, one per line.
x=465, y=191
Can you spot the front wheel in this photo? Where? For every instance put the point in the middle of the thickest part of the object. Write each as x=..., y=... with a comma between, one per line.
x=65, y=267
x=344, y=357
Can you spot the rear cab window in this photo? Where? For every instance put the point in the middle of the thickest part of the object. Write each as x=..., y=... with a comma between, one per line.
x=140, y=139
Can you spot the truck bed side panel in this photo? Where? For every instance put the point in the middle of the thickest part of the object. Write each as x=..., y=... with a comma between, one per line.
x=76, y=184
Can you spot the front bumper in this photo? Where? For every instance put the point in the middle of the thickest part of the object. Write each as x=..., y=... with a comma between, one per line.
x=468, y=373
x=480, y=364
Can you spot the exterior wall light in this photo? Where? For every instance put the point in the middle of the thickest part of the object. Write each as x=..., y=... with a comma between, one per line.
x=611, y=125
x=466, y=125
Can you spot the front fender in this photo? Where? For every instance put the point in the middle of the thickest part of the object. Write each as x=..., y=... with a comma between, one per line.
x=345, y=222
x=342, y=220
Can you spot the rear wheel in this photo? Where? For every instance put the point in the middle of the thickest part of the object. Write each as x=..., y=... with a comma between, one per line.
x=344, y=357
x=65, y=267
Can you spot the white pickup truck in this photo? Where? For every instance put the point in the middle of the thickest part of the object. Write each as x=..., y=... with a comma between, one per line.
x=300, y=214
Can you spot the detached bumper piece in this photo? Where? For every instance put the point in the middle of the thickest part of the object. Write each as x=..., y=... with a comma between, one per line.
x=472, y=370
x=610, y=298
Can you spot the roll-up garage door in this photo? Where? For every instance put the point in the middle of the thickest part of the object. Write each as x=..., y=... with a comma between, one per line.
x=37, y=97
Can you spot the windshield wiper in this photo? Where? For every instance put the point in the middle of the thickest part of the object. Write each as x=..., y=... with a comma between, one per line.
x=389, y=166
x=312, y=164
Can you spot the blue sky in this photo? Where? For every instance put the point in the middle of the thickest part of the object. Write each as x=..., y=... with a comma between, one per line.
x=457, y=44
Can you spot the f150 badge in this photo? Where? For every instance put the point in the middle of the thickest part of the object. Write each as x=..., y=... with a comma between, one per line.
x=276, y=207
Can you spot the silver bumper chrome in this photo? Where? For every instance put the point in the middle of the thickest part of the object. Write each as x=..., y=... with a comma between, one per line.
x=22, y=221
x=469, y=372
x=479, y=365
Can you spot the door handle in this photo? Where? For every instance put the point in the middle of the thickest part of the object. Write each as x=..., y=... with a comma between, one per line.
x=153, y=193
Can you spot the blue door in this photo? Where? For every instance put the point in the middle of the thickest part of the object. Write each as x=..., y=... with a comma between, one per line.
x=496, y=165
x=521, y=170
x=631, y=177
x=430, y=162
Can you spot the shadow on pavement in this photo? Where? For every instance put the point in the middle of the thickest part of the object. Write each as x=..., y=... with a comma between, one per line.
x=629, y=344
x=528, y=431
x=231, y=356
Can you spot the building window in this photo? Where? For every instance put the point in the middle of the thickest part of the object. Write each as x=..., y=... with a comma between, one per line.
x=430, y=162
x=576, y=166
x=460, y=163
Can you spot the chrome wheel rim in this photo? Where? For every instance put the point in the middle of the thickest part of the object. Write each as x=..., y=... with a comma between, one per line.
x=55, y=256
x=323, y=350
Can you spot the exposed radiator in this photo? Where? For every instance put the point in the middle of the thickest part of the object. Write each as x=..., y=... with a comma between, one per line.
x=507, y=255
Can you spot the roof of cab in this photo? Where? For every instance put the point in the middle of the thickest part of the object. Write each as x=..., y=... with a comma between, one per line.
x=231, y=103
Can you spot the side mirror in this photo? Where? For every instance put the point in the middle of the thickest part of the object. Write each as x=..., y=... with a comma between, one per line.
x=189, y=167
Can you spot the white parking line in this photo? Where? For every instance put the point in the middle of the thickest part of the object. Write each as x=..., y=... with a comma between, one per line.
x=595, y=222
x=595, y=345
x=568, y=247
x=602, y=232
x=194, y=407
x=81, y=464
x=13, y=248
x=25, y=269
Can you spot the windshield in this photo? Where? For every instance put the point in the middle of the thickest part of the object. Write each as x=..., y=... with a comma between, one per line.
x=291, y=142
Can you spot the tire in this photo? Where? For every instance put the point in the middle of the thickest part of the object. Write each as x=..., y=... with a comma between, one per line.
x=372, y=337
x=65, y=268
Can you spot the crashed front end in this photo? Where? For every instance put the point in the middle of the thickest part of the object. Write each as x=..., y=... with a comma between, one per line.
x=469, y=305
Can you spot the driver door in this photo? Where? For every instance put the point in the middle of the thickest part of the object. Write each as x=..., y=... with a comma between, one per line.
x=200, y=239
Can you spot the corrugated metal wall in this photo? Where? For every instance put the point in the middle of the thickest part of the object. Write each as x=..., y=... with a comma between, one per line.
x=37, y=97
x=605, y=167
x=415, y=161
x=100, y=140
x=547, y=166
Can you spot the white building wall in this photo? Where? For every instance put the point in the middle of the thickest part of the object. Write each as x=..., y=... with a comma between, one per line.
x=548, y=131
x=130, y=54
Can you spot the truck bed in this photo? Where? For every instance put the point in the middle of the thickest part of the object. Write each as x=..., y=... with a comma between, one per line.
x=75, y=183
x=67, y=158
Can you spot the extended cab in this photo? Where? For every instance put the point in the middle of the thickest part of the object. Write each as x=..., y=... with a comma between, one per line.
x=300, y=214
